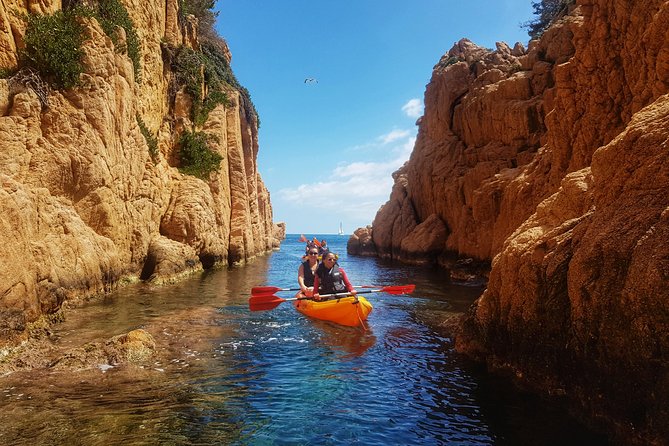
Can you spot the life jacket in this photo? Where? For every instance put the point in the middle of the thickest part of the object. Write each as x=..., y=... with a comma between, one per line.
x=330, y=281
x=308, y=274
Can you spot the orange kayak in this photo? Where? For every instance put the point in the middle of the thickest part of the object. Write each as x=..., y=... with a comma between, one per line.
x=350, y=311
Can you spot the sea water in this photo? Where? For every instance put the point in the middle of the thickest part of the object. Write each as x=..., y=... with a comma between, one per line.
x=224, y=375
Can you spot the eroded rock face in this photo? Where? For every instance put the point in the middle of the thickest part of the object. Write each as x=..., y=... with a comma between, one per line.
x=395, y=219
x=279, y=232
x=426, y=240
x=84, y=204
x=360, y=242
x=463, y=160
x=577, y=299
x=552, y=164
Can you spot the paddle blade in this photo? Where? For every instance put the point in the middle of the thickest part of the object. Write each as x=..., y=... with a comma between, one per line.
x=264, y=290
x=399, y=289
x=264, y=302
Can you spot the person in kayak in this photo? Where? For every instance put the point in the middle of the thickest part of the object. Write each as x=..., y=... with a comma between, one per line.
x=306, y=272
x=330, y=278
x=323, y=249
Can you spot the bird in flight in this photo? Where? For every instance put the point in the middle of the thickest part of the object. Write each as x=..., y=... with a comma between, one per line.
x=310, y=80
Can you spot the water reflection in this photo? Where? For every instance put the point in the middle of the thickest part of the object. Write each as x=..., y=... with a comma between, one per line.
x=349, y=342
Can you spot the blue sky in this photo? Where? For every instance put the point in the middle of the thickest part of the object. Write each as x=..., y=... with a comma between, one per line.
x=328, y=147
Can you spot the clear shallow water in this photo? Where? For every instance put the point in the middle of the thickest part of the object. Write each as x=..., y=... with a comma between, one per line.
x=223, y=375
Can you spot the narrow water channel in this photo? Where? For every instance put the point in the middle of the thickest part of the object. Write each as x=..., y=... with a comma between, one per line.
x=224, y=375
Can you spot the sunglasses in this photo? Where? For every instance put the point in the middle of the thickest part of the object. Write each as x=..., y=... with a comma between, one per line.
x=332, y=259
x=313, y=253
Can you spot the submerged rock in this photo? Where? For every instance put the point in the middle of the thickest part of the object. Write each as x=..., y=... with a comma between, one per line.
x=134, y=347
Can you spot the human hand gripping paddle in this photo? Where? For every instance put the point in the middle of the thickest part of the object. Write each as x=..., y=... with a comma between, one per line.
x=267, y=301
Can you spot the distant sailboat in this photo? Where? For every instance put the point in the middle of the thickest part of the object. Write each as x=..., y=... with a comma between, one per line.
x=341, y=229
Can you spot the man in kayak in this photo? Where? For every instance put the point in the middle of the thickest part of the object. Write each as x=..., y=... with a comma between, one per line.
x=330, y=278
x=305, y=273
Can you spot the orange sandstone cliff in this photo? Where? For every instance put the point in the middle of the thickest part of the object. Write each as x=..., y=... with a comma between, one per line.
x=552, y=164
x=85, y=204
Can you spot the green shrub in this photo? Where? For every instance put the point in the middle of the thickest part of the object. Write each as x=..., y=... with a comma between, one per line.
x=53, y=42
x=206, y=16
x=201, y=109
x=151, y=140
x=188, y=69
x=450, y=61
x=6, y=73
x=210, y=68
x=112, y=13
x=547, y=11
x=193, y=70
x=53, y=47
x=219, y=64
x=196, y=157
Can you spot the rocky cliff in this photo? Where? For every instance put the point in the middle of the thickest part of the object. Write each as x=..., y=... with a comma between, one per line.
x=92, y=186
x=552, y=163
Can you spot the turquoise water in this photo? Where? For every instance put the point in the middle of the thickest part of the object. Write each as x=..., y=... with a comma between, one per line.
x=224, y=375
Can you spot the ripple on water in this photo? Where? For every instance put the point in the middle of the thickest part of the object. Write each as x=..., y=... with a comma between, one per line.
x=224, y=375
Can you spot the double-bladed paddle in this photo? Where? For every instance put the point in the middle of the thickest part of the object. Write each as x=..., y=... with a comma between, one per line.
x=268, y=290
x=262, y=302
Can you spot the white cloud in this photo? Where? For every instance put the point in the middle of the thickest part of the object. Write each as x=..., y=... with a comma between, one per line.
x=413, y=108
x=393, y=136
x=407, y=148
x=351, y=192
x=355, y=190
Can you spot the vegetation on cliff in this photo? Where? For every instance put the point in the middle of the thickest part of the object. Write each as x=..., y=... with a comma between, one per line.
x=223, y=71
x=196, y=72
x=112, y=14
x=53, y=52
x=217, y=70
x=53, y=47
x=205, y=75
x=197, y=158
x=151, y=140
x=203, y=10
x=546, y=11
x=53, y=43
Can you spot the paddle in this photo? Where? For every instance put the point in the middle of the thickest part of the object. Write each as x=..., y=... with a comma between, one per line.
x=262, y=302
x=266, y=290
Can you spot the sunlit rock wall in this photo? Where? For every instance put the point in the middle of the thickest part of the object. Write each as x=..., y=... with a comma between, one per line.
x=85, y=205
x=578, y=300
x=551, y=163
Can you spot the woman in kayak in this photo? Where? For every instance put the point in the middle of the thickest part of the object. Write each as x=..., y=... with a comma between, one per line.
x=330, y=278
x=305, y=273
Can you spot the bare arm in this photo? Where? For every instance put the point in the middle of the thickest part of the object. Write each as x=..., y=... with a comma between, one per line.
x=349, y=287
x=300, y=278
